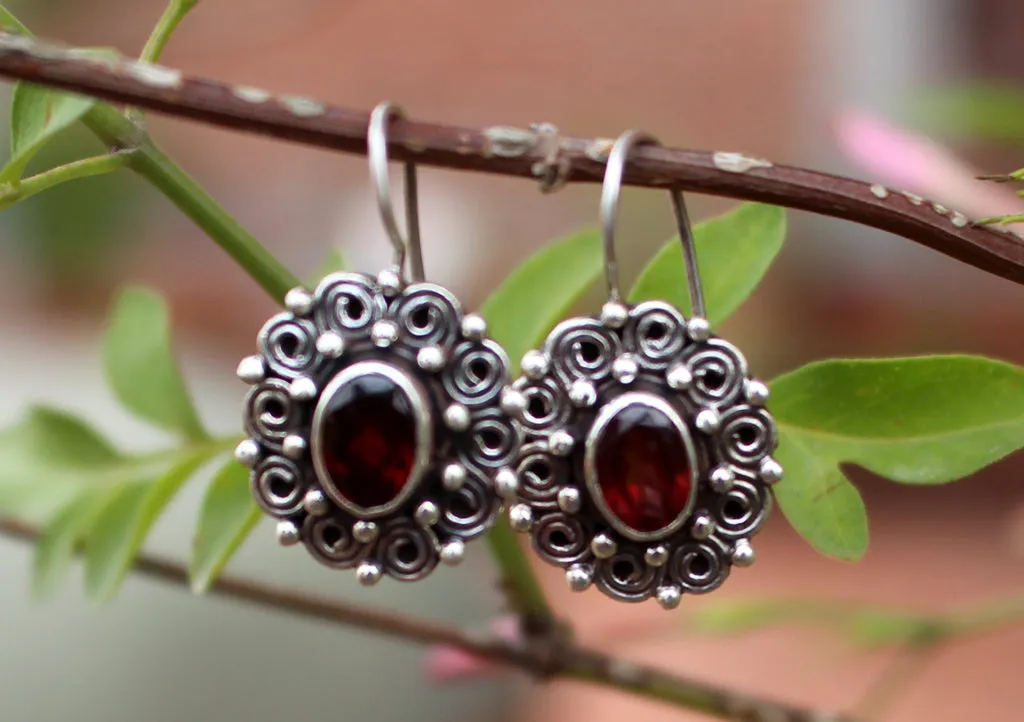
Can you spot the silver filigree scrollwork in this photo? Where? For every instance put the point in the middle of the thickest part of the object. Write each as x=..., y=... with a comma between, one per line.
x=582, y=349
x=698, y=567
x=348, y=304
x=278, y=485
x=546, y=404
x=288, y=346
x=561, y=538
x=541, y=476
x=718, y=370
x=747, y=435
x=740, y=512
x=656, y=334
x=628, y=576
x=432, y=383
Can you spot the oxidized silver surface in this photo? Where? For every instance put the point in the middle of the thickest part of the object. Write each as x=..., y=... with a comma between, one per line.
x=646, y=354
x=416, y=336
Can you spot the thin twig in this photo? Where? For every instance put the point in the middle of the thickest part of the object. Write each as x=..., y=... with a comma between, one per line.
x=518, y=152
x=559, y=657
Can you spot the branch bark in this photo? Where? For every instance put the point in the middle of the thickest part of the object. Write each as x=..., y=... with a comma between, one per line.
x=538, y=153
x=543, y=658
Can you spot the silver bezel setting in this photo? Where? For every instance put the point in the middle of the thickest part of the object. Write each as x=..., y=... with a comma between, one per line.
x=702, y=385
x=438, y=362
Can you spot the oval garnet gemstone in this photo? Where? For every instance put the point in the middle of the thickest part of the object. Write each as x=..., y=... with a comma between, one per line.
x=367, y=443
x=643, y=469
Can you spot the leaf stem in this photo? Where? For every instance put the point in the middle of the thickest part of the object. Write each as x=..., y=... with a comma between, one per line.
x=519, y=582
x=165, y=27
x=568, y=660
x=85, y=168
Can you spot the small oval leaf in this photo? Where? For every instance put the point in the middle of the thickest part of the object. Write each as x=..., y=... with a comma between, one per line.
x=734, y=252
x=123, y=523
x=227, y=517
x=57, y=546
x=37, y=115
x=140, y=365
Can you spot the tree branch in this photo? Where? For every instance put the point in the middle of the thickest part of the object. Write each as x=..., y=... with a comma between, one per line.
x=543, y=659
x=538, y=153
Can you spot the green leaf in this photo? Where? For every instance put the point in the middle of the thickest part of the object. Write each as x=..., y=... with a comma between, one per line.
x=334, y=261
x=124, y=522
x=227, y=517
x=923, y=420
x=990, y=111
x=541, y=291
x=11, y=24
x=734, y=251
x=57, y=545
x=37, y=115
x=141, y=368
x=46, y=459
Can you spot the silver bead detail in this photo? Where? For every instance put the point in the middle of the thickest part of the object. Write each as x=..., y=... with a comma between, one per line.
x=453, y=476
x=427, y=513
x=756, y=392
x=703, y=527
x=614, y=314
x=513, y=402
x=625, y=369
x=365, y=532
x=534, y=364
x=315, y=502
x=579, y=577
x=299, y=301
x=743, y=554
x=368, y=573
x=770, y=470
x=669, y=597
x=330, y=344
x=603, y=546
x=456, y=417
x=474, y=327
x=656, y=556
x=293, y=446
x=251, y=370
x=506, y=484
x=679, y=377
x=287, y=533
x=520, y=517
x=698, y=329
x=560, y=443
x=721, y=479
x=453, y=552
x=384, y=333
x=583, y=394
x=389, y=282
x=302, y=389
x=569, y=499
x=708, y=421
x=430, y=359
x=247, y=453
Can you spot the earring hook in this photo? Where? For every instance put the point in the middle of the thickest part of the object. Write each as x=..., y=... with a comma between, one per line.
x=611, y=189
x=377, y=150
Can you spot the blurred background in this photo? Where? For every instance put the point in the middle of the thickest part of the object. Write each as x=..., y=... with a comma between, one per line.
x=808, y=82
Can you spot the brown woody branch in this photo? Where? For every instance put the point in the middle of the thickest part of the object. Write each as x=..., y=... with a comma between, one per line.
x=546, y=658
x=538, y=153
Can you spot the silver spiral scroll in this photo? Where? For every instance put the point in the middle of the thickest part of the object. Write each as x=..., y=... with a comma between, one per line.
x=656, y=334
x=288, y=346
x=582, y=349
x=348, y=304
x=650, y=360
x=452, y=377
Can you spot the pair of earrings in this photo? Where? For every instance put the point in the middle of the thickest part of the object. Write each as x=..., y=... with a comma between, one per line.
x=385, y=430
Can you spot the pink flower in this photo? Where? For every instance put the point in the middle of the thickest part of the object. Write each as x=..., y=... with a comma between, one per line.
x=447, y=664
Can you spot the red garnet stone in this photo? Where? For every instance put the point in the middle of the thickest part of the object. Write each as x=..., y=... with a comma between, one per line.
x=368, y=440
x=643, y=468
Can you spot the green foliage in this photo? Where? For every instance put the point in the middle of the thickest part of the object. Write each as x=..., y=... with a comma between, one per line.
x=227, y=517
x=37, y=115
x=993, y=111
x=734, y=252
x=541, y=291
x=141, y=368
x=926, y=420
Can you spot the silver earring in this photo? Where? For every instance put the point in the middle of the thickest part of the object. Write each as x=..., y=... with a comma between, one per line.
x=375, y=424
x=647, y=458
